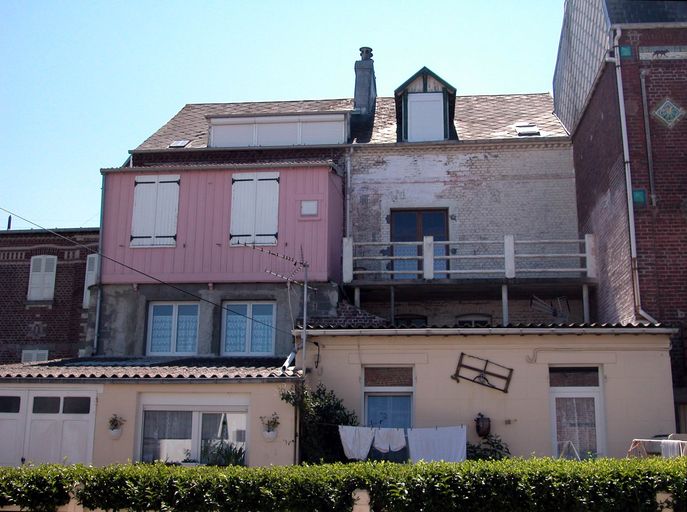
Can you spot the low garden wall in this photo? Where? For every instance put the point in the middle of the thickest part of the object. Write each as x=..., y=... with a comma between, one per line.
x=509, y=485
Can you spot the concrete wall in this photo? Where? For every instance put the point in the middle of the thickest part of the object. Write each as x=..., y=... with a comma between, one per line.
x=124, y=312
x=124, y=400
x=636, y=393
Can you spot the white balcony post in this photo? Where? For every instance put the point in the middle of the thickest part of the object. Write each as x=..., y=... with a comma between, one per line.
x=347, y=259
x=590, y=255
x=428, y=257
x=509, y=255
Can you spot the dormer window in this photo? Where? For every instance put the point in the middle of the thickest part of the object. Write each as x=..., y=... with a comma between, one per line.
x=279, y=130
x=425, y=107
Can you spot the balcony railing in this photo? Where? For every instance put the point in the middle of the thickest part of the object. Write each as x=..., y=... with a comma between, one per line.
x=432, y=259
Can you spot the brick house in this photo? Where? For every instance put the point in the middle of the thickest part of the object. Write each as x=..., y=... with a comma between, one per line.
x=620, y=88
x=44, y=296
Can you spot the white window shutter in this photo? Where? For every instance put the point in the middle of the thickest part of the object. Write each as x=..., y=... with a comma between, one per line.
x=167, y=210
x=91, y=273
x=143, y=218
x=267, y=209
x=243, y=198
x=426, y=116
x=42, y=278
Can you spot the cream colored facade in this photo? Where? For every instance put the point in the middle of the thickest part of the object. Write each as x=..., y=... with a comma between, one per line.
x=634, y=396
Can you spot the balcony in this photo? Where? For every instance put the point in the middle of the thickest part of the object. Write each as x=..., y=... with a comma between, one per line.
x=433, y=260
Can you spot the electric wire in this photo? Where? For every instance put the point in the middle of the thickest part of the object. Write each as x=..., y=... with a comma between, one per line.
x=149, y=276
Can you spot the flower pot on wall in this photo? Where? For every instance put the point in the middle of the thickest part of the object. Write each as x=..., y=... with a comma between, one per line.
x=482, y=425
x=269, y=435
x=115, y=433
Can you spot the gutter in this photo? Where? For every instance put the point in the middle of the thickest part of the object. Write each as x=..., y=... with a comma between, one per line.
x=628, y=181
x=493, y=331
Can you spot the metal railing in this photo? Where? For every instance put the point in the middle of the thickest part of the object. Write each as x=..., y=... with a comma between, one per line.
x=431, y=259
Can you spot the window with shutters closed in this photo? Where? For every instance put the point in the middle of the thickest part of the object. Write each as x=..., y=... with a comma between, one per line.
x=91, y=273
x=156, y=205
x=42, y=278
x=254, y=208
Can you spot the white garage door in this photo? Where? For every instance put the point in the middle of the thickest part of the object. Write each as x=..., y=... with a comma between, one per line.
x=46, y=426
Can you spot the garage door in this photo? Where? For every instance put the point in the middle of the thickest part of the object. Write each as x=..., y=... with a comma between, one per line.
x=43, y=426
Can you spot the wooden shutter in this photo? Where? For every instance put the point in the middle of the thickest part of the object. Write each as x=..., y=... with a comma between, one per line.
x=91, y=273
x=42, y=278
x=267, y=208
x=243, y=195
x=156, y=205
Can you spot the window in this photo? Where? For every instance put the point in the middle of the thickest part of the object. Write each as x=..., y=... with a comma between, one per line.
x=413, y=226
x=42, y=278
x=410, y=320
x=426, y=117
x=254, y=208
x=156, y=204
x=248, y=328
x=91, y=273
x=178, y=427
x=172, y=328
x=576, y=412
x=32, y=356
x=309, y=208
x=476, y=320
x=388, y=397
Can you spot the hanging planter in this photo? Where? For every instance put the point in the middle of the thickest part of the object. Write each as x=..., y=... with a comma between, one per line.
x=482, y=425
x=115, y=433
x=114, y=425
x=270, y=424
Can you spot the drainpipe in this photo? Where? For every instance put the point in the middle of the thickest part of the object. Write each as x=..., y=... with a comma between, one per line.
x=647, y=133
x=98, y=279
x=628, y=180
x=349, y=157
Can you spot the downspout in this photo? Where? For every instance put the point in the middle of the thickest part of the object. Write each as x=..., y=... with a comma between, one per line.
x=98, y=278
x=349, y=157
x=647, y=133
x=628, y=180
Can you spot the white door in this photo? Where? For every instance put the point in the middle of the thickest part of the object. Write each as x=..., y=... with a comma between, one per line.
x=13, y=405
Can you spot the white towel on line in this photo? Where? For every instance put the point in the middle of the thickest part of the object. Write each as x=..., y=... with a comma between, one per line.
x=441, y=443
x=389, y=439
x=356, y=441
x=670, y=448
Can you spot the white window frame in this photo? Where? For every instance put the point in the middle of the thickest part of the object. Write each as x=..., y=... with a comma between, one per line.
x=388, y=391
x=211, y=403
x=34, y=355
x=175, y=312
x=249, y=327
x=154, y=221
x=46, y=290
x=254, y=219
x=92, y=260
x=595, y=392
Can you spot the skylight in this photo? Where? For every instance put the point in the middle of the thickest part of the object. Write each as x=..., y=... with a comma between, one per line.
x=527, y=129
x=181, y=143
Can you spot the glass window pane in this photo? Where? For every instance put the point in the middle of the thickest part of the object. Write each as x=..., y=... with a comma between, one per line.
x=434, y=224
x=573, y=377
x=219, y=433
x=167, y=436
x=187, y=327
x=262, y=335
x=46, y=405
x=404, y=226
x=235, y=326
x=76, y=405
x=391, y=411
x=161, y=328
x=576, y=424
x=10, y=403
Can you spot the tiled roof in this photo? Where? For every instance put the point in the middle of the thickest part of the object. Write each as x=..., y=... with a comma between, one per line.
x=151, y=368
x=191, y=122
x=476, y=118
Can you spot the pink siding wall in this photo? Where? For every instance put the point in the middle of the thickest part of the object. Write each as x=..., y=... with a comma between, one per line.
x=202, y=252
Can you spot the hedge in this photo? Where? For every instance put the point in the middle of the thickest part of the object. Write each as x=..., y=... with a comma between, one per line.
x=508, y=485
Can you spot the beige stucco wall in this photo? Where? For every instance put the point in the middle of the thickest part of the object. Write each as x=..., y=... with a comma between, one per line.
x=124, y=400
x=636, y=382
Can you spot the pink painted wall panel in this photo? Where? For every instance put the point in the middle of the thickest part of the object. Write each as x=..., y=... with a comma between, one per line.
x=202, y=252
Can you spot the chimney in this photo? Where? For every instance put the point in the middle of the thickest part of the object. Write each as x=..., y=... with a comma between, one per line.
x=365, y=84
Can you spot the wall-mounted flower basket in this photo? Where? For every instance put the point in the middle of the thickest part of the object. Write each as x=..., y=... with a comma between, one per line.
x=270, y=424
x=115, y=433
x=114, y=425
x=269, y=435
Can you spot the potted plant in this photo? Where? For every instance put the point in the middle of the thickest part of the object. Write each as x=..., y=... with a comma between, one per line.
x=115, y=424
x=270, y=424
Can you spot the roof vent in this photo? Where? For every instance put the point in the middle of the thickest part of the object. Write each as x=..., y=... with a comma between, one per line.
x=179, y=143
x=527, y=129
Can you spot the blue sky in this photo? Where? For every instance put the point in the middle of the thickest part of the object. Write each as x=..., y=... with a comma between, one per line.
x=84, y=82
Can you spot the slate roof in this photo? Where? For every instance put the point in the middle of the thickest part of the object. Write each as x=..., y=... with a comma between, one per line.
x=646, y=11
x=152, y=368
x=480, y=117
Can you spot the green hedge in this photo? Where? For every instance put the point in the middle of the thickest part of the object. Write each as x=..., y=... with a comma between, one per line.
x=508, y=485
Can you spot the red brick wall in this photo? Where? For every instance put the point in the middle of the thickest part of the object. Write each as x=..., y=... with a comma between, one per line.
x=602, y=199
x=661, y=230
x=58, y=325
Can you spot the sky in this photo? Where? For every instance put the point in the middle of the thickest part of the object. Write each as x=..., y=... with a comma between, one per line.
x=84, y=82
